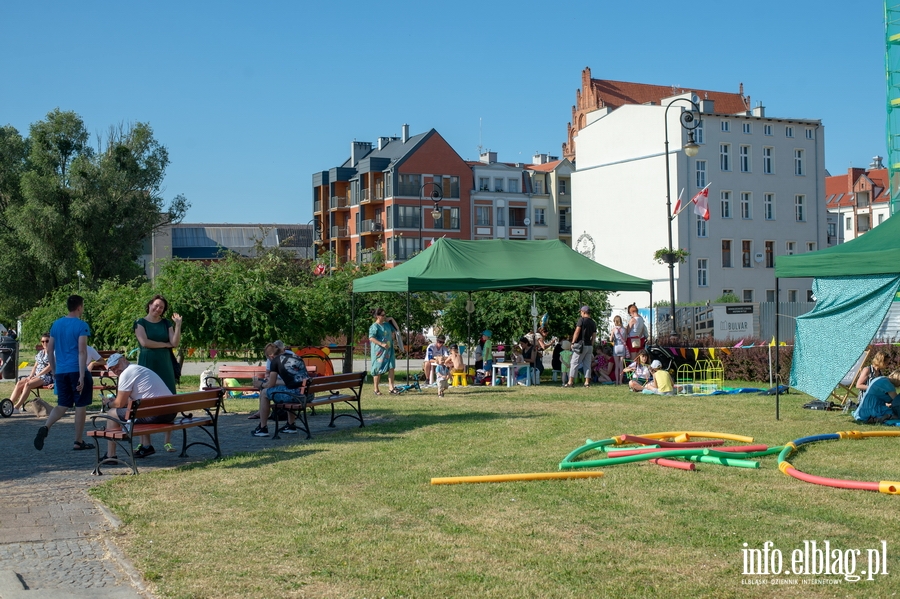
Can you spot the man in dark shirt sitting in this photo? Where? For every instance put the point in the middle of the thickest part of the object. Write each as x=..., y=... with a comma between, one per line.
x=292, y=371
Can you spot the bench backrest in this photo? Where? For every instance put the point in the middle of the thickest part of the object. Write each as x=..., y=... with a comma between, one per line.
x=173, y=404
x=336, y=381
x=241, y=372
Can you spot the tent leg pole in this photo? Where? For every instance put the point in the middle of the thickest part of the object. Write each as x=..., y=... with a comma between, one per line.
x=408, y=333
x=652, y=316
x=468, y=332
x=350, y=341
x=777, y=362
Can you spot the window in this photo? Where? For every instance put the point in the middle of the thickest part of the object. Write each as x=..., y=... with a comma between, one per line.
x=405, y=247
x=747, y=127
x=409, y=185
x=701, y=227
x=512, y=186
x=767, y=129
x=810, y=246
x=702, y=269
x=799, y=208
x=769, y=206
x=726, y=126
x=501, y=217
x=538, y=186
x=792, y=295
x=849, y=224
x=748, y=295
x=539, y=216
x=483, y=216
x=726, y=204
x=789, y=131
x=498, y=185
x=768, y=163
x=728, y=292
x=484, y=183
x=745, y=159
x=747, y=253
x=791, y=247
x=698, y=132
x=701, y=173
x=770, y=254
x=449, y=219
x=726, y=253
x=407, y=217
x=770, y=295
x=450, y=186
x=832, y=229
x=798, y=163
x=880, y=218
x=746, y=205
x=725, y=157
x=809, y=296
x=562, y=187
x=810, y=134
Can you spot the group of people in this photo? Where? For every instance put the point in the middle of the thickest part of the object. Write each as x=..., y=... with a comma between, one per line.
x=65, y=361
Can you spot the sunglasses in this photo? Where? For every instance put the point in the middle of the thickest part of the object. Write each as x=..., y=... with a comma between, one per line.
x=45, y=341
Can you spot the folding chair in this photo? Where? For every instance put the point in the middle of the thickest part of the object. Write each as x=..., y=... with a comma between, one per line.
x=846, y=389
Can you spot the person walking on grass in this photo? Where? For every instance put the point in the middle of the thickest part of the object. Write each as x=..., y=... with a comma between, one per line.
x=67, y=351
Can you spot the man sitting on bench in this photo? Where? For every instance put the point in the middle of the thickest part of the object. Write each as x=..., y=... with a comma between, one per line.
x=292, y=371
x=135, y=382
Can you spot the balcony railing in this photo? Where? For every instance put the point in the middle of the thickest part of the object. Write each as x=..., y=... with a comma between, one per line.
x=339, y=232
x=366, y=257
x=339, y=202
x=565, y=229
x=371, y=226
x=409, y=190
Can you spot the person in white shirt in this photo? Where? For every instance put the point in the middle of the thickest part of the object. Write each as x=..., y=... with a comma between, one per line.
x=135, y=382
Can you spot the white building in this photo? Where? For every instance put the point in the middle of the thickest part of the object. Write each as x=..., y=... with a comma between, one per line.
x=766, y=181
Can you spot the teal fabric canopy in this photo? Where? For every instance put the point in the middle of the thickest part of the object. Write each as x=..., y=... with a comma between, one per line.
x=854, y=285
x=500, y=264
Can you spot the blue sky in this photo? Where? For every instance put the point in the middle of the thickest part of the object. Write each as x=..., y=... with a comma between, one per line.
x=252, y=98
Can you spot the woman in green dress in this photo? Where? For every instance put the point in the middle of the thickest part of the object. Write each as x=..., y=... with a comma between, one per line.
x=158, y=337
x=381, y=336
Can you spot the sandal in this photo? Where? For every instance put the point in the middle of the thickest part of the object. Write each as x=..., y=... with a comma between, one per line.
x=395, y=391
x=377, y=392
x=81, y=446
x=169, y=447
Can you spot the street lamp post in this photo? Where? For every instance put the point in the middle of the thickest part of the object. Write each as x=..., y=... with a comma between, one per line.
x=436, y=196
x=689, y=120
x=316, y=234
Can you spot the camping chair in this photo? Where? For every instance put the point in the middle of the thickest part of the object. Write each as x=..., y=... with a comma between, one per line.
x=846, y=388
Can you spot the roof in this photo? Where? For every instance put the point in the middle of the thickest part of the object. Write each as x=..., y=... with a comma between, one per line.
x=839, y=189
x=544, y=168
x=499, y=264
x=874, y=253
x=618, y=93
x=395, y=149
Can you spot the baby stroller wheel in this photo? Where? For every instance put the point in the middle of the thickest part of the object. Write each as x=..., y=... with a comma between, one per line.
x=6, y=408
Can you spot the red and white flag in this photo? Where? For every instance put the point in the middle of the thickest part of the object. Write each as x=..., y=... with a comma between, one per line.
x=678, y=204
x=701, y=203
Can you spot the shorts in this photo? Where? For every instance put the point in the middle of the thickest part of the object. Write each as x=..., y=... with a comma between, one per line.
x=67, y=394
x=47, y=379
x=161, y=419
x=282, y=394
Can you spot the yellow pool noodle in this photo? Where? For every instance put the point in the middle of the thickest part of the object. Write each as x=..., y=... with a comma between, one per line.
x=503, y=478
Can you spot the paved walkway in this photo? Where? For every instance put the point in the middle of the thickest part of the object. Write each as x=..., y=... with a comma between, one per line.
x=55, y=540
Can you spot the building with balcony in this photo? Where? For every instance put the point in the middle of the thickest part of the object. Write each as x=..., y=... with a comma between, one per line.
x=501, y=200
x=380, y=199
x=766, y=181
x=857, y=201
x=550, y=180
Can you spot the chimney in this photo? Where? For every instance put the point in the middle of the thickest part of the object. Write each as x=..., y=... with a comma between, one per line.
x=404, y=133
x=358, y=151
x=760, y=110
x=539, y=159
x=488, y=157
x=876, y=163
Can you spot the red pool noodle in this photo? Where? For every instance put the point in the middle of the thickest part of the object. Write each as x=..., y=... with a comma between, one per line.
x=746, y=448
x=670, y=444
x=832, y=482
x=674, y=464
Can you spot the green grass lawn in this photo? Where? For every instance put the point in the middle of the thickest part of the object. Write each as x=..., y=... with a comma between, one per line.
x=353, y=514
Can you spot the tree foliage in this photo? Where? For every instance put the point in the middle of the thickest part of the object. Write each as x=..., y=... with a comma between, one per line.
x=69, y=207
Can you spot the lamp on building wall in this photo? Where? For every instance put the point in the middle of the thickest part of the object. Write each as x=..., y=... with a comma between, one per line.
x=690, y=120
x=436, y=196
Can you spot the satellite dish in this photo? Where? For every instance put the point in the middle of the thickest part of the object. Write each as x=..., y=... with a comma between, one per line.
x=527, y=221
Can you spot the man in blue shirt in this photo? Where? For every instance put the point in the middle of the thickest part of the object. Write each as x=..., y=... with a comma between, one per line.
x=67, y=351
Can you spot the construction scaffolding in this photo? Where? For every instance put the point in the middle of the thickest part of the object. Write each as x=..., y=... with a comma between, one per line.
x=892, y=67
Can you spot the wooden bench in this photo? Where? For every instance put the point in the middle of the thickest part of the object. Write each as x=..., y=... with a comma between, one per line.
x=251, y=373
x=198, y=409
x=340, y=388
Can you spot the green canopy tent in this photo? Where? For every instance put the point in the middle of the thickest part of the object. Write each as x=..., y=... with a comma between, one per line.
x=499, y=265
x=854, y=285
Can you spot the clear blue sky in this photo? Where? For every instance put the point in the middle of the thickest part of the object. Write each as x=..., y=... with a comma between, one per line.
x=252, y=98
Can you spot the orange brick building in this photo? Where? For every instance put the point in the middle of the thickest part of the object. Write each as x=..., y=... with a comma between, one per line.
x=380, y=199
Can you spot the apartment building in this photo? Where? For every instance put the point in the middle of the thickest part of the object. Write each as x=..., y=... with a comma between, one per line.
x=551, y=197
x=766, y=180
x=381, y=199
x=857, y=201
